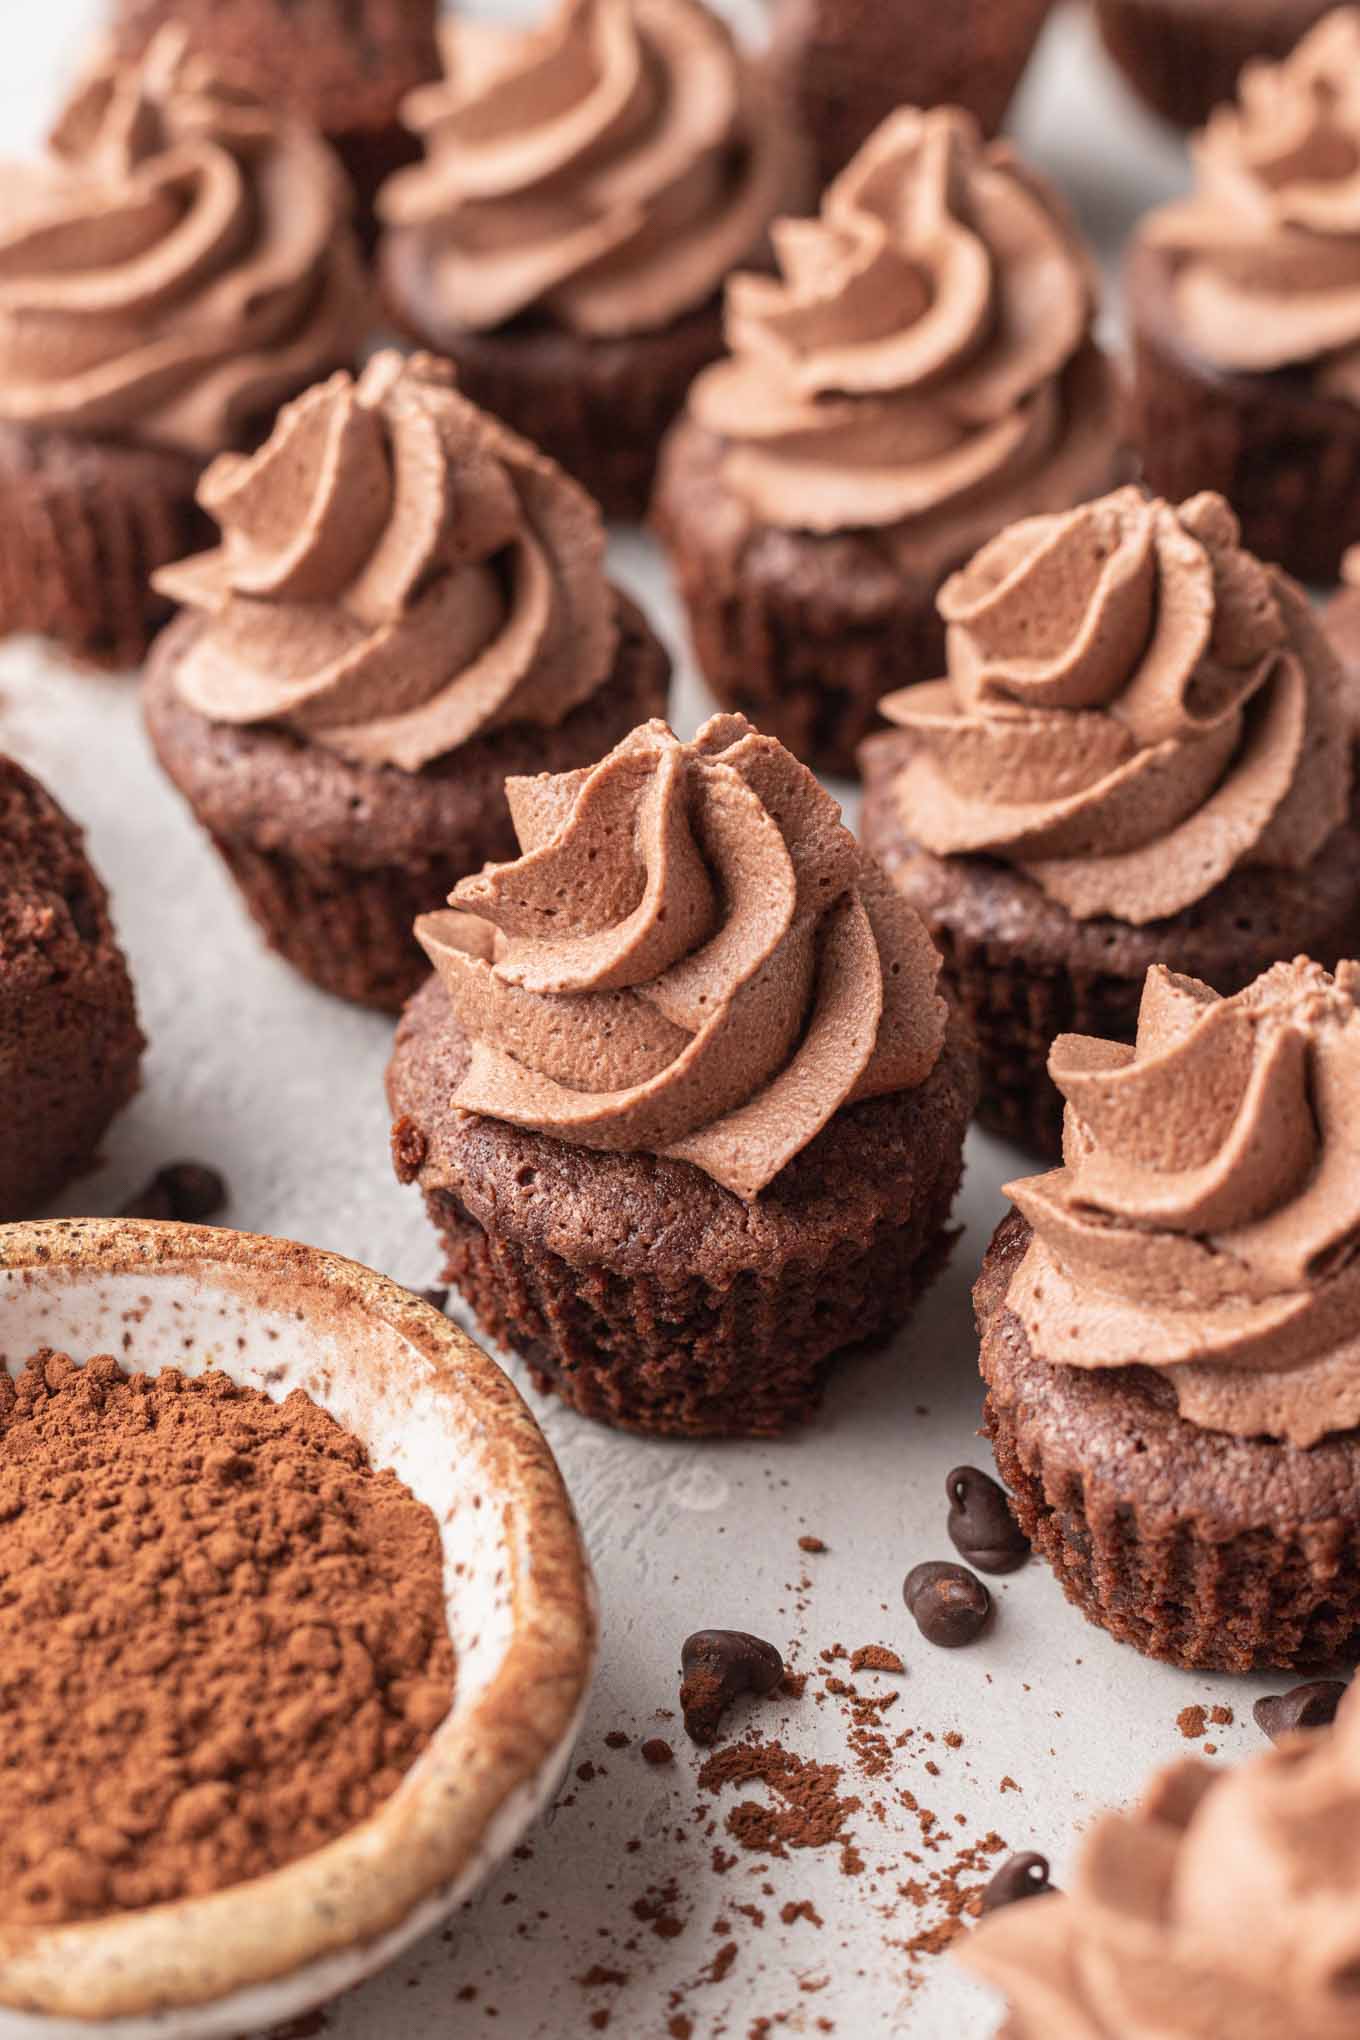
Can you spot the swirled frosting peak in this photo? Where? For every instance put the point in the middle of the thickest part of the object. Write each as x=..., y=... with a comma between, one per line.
x=692, y=958
x=398, y=573
x=1224, y=1906
x=181, y=264
x=928, y=340
x=1135, y=708
x=1206, y=1220
x=1267, y=248
x=606, y=170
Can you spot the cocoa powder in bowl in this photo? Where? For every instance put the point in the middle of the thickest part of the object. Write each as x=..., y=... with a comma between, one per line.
x=222, y=1636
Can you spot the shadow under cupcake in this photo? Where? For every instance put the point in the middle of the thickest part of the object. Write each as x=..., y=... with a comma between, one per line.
x=1142, y=753
x=685, y=1105
x=409, y=605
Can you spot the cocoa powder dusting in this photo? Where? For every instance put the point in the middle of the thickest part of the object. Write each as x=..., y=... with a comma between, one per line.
x=222, y=1636
x=807, y=1810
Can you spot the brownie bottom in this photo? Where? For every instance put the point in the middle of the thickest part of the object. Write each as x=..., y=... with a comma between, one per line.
x=644, y=1294
x=1183, y=57
x=601, y=407
x=86, y=523
x=1286, y=457
x=850, y=63
x=1024, y=971
x=334, y=860
x=1204, y=1550
x=70, y=1046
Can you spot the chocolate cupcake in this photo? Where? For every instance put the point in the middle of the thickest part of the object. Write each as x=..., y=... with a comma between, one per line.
x=1168, y=1326
x=848, y=64
x=341, y=66
x=70, y=1046
x=1223, y=1903
x=685, y=1105
x=408, y=605
x=923, y=374
x=1244, y=303
x=1183, y=57
x=586, y=188
x=180, y=265
x=1141, y=754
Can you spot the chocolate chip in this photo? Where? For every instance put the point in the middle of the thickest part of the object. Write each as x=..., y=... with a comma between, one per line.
x=719, y=1665
x=949, y=1603
x=187, y=1191
x=1024, y=1876
x=1312, y=1706
x=981, y=1526
x=436, y=1298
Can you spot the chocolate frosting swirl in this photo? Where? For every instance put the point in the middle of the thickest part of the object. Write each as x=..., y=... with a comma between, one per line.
x=1135, y=708
x=1267, y=248
x=180, y=265
x=606, y=170
x=1206, y=1220
x=1223, y=1904
x=927, y=343
x=398, y=574
x=692, y=958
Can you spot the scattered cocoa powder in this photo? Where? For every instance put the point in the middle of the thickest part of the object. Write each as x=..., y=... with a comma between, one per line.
x=808, y=1811
x=222, y=1636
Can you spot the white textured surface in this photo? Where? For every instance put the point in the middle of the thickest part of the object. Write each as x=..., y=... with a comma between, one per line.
x=282, y=1088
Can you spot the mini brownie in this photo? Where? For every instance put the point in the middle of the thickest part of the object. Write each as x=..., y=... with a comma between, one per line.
x=70, y=1046
x=587, y=186
x=1183, y=57
x=180, y=264
x=1142, y=754
x=1205, y=1509
x=850, y=63
x=706, y=1133
x=343, y=66
x=408, y=606
x=860, y=441
x=1196, y=1913
x=1244, y=309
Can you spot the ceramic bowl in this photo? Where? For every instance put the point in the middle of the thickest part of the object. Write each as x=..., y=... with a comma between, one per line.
x=430, y=1404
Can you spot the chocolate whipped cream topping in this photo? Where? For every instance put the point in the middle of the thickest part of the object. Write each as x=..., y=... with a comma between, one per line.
x=1206, y=1220
x=398, y=574
x=927, y=343
x=1267, y=248
x=692, y=958
x=1135, y=708
x=605, y=171
x=181, y=264
x=1223, y=1904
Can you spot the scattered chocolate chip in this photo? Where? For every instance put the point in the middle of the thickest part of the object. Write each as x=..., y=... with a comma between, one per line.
x=436, y=1298
x=981, y=1526
x=1312, y=1706
x=188, y=1191
x=657, y=1751
x=950, y=1604
x=719, y=1665
x=1024, y=1876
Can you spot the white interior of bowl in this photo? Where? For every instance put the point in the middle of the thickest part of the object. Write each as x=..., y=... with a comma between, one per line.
x=391, y=1393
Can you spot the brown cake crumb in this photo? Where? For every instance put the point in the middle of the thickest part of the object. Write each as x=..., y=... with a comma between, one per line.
x=811, y=1544
x=875, y=1657
x=1192, y=1721
x=657, y=1751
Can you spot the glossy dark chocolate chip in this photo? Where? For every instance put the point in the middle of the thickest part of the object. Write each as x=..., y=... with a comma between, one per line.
x=1024, y=1876
x=719, y=1665
x=981, y=1526
x=949, y=1603
x=190, y=1192
x=1312, y=1706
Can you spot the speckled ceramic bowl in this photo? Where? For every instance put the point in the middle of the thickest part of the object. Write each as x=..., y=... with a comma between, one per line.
x=428, y=1403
